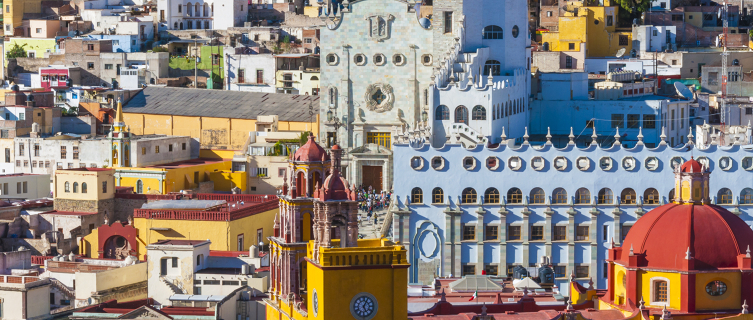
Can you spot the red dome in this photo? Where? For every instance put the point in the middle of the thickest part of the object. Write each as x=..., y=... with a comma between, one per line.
x=336, y=187
x=714, y=235
x=311, y=152
x=691, y=166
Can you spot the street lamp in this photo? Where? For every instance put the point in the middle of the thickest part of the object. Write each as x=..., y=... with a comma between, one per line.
x=424, y=116
x=335, y=122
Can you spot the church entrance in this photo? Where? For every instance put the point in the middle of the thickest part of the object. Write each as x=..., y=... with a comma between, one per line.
x=372, y=176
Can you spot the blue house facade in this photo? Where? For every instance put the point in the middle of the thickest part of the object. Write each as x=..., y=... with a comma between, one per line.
x=467, y=211
x=121, y=42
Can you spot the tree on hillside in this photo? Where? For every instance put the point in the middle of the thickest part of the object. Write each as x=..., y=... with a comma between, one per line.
x=16, y=51
x=631, y=9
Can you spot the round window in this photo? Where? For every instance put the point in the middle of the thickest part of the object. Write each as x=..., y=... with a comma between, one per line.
x=397, y=59
x=716, y=288
x=359, y=59
x=515, y=31
x=596, y=21
x=377, y=59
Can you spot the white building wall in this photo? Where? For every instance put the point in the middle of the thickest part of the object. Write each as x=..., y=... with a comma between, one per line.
x=250, y=63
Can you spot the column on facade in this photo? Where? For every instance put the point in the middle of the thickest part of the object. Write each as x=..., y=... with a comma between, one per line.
x=524, y=234
x=593, y=269
x=548, y=232
x=617, y=225
x=345, y=83
x=480, y=229
x=571, y=241
x=451, y=265
x=502, y=270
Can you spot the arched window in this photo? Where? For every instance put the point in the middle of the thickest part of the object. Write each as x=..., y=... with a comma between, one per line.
x=83, y=187
x=461, y=114
x=559, y=196
x=672, y=195
x=75, y=187
x=197, y=11
x=660, y=291
x=212, y=7
x=492, y=67
x=181, y=26
x=582, y=196
x=724, y=196
x=314, y=78
x=491, y=195
x=627, y=196
x=651, y=196
x=538, y=196
x=67, y=187
x=206, y=10
x=189, y=11
x=746, y=196
x=332, y=92
x=606, y=196
x=442, y=113
x=479, y=113
x=139, y=186
x=416, y=195
x=190, y=24
x=514, y=195
x=437, y=195
x=175, y=25
x=493, y=32
x=198, y=260
x=206, y=24
x=469, y=195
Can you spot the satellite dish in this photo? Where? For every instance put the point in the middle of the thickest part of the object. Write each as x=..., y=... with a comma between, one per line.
x=620, y=52
x=683, y=90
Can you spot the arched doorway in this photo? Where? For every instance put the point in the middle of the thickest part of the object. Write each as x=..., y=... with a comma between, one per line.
x=117, y=247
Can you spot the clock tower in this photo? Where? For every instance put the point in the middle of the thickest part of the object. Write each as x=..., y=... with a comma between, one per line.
x=324, y=271
x=120, y=139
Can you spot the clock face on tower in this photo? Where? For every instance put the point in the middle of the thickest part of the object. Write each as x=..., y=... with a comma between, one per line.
x=363, y=306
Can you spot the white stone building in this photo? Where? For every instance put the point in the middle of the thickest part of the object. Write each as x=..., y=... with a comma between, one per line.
x=385, y=71
x=187, y=14
x=249, y=72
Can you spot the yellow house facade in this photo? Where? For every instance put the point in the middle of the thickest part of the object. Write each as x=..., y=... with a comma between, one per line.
x=595, y=27
x=219, y=119
x=228, y=228
x=13, y=13
x=184, y=175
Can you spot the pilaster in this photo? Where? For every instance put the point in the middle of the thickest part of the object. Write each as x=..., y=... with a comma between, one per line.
x=617, y=226
x=571, y=241
x=593, y=271
x=524, y=234
x=480, y=239
x=548, y=232
x=452, y=248
x=502, y=269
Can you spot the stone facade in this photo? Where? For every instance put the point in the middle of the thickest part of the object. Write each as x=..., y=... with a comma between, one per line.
x=104, y=207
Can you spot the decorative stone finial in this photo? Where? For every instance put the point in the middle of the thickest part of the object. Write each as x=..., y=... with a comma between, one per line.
x=570, y=305
x=687, y=254
x=591, y=283
x=503, y=135
x=483, y=309
x=745, y=307
x=747, y=252
x=665, y=314
x=640, y=135
x=617, y=137
x=641, y=305
x=571, y=136
x=548, y=136
x=663, y=136
x=594, y=137
x=631, y=250
x=525, y=136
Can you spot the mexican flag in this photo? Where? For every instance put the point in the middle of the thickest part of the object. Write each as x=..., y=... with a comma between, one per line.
x=474, y=297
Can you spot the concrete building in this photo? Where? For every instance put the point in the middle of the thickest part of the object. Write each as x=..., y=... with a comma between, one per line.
x=265, y=160
x=180, y=111
x=250, y=72
x=699, y=26
x=94, y=281
x=25, y=186
x=568, y=204
x=25, y=297
x=648, y=38
x=297, y=74
x=183, y=15
x=183, y=269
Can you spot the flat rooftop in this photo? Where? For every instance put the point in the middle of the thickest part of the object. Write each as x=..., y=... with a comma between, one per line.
x=181, y=242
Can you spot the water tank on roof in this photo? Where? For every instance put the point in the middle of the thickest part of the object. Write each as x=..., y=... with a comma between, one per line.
x=519, y=272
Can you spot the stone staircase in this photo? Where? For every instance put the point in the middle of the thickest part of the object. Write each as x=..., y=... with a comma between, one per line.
x=176, y=289
x=63, y=288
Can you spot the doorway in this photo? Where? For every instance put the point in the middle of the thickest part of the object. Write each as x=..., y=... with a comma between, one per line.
x=372, y=176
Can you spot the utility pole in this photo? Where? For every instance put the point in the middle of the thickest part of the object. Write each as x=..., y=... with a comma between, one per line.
x=195, y=64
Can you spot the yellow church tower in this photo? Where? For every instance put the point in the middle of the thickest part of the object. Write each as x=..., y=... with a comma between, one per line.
x=120, y=139
x=319, y=269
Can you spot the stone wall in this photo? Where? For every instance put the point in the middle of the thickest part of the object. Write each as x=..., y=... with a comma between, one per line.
x=130, y=292
x=40, y=247
x=25, y=65
x=104, y=207
x=124, y=208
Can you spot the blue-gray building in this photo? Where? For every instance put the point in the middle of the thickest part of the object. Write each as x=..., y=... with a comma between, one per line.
x=464, y=211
